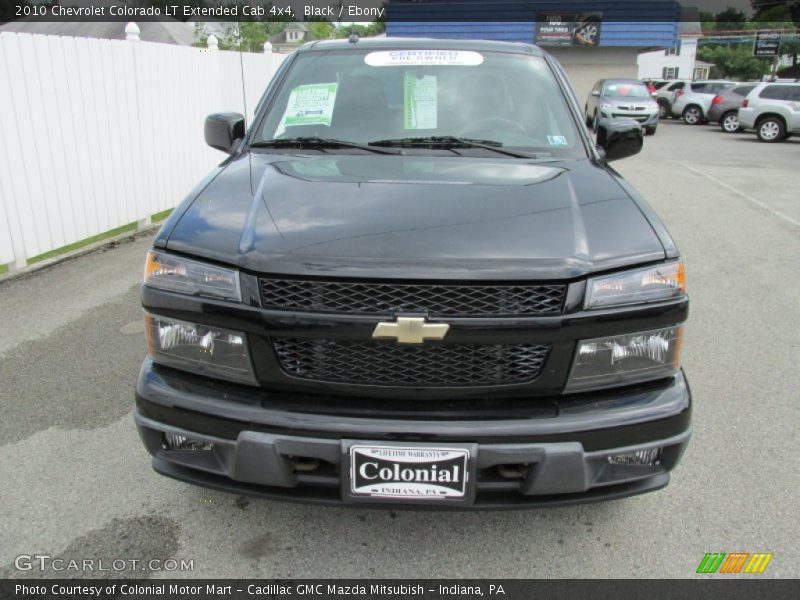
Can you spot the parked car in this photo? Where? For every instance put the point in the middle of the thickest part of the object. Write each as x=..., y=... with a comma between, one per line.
x=415, y=279
x=772, y=110
x=665, y=95
x=617, y=98
x=694, y=100
x=725, y=107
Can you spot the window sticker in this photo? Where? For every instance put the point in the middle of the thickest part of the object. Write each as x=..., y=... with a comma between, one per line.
x=423, y=58
x=310, y=104
x=556, y=140
x=419, y=101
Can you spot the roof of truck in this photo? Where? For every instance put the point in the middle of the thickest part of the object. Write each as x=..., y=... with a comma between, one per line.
x=396, y=43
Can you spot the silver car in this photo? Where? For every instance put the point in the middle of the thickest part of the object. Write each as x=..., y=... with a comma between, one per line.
x=772, y=110
x=693, y=102
x=665, y=93
x=615, y=98
x=725, y=107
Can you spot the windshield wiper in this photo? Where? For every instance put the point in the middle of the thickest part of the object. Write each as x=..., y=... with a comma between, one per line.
x=448, y=142
x=315, y=142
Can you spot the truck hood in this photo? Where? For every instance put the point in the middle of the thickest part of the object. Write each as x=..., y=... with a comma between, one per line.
x=414, y=217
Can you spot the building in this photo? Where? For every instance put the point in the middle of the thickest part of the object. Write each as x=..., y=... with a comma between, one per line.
x=591, y=39
x=679, y=61
x=288, y=40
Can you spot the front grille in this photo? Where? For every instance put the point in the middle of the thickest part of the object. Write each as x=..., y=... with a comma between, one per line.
x=640, y=118
x=388, y=363
x=373, y=298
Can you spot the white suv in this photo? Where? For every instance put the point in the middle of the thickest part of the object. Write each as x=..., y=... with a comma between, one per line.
x=665, y=93
x=773, y=110
x=693, y=101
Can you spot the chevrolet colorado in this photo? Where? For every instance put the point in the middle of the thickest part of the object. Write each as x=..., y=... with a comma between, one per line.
x=416, y=280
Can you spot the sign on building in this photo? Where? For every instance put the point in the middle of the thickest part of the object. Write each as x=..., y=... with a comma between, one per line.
x=767, y=44
x=568, y=29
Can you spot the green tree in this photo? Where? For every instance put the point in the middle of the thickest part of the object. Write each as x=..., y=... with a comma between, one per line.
x=731, y=61
x=321, y=30
x=369, y=30
x=730, y=18
x=766, y=10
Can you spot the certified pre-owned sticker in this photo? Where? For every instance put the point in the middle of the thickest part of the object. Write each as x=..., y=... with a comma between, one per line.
x=310, y=104
x=423, y=58
x=408, y=472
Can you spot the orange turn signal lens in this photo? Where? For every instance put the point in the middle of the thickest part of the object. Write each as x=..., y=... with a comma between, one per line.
x=639, y=286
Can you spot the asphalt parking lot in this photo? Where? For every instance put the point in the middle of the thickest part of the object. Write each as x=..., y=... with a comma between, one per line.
x=77, y=482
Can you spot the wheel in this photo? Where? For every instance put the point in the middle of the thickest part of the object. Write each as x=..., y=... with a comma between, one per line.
x=586, y=116
x=663, y=110
x=771, y=129
x=692, y=115
x=730, y=122
x=650, y=130
x=594, y=122
x=588, y=31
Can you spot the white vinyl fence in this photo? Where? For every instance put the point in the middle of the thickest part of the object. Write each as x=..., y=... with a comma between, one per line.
x=97, y=134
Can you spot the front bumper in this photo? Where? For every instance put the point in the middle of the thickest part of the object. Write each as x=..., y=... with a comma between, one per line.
x=563, y=444
x=645, y=120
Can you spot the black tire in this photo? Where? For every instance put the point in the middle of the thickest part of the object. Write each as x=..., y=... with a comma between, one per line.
x=664, y=111
x=595, y=121
x=692, y=115
x=650, y=130
x=586, y=115
x=770, y=130
x=729, y=122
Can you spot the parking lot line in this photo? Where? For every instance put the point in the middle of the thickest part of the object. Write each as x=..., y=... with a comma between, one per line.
x=748, y=197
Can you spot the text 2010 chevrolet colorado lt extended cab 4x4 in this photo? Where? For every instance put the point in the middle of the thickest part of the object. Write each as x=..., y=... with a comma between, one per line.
x=416, y=280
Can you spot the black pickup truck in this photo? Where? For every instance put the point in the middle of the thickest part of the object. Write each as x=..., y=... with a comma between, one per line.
x=415, y=280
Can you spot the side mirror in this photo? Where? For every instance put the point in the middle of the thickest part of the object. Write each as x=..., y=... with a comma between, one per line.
x=224, y=131
x=619, y=137
x=595, y=92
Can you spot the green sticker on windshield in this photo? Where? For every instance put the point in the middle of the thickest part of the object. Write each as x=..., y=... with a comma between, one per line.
x=419, y=101
x=310, y=105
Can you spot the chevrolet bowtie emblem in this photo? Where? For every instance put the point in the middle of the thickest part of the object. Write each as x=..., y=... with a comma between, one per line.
x=411, y=330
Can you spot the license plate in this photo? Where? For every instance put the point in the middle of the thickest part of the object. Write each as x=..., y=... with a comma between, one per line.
x=408, y=472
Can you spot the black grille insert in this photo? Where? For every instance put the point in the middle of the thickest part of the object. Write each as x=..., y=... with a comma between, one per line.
x=389, y=363
x=348, y=297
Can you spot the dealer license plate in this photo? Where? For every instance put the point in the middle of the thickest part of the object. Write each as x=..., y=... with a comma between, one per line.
x=408, y=472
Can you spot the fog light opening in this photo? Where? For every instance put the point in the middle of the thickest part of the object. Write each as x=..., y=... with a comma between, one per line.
x=650, y=457
x=175, y=441
x=513, y=471
x=301, y=464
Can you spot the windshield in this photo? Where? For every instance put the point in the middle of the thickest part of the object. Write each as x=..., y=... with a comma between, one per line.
x=391, y=95
x=624, y=89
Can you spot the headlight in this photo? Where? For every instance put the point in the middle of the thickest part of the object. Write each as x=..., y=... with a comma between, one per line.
x=625, y=359
x=606, y=106
x=178, y=274
x=651, y=284
x=211, y=351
